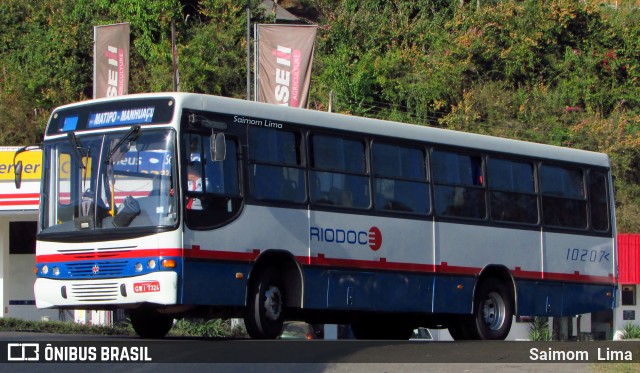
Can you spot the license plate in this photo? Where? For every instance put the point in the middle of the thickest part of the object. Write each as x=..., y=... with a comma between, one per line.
x=146, y=287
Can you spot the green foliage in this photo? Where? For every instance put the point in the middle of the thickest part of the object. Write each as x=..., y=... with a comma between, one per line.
x=213, y=51
x=539, y=330
x=219, y=328
x=11, y=324
x=631, y=331
x=211, y=328
x=562, y=72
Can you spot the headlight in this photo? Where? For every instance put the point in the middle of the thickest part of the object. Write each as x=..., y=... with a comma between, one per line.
x=45, y=269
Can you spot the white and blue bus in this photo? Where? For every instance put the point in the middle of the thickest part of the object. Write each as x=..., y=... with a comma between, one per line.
x=175, y=204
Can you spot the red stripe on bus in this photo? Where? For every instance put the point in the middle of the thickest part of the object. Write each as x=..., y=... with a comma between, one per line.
x=322, y=261
x=107, y=254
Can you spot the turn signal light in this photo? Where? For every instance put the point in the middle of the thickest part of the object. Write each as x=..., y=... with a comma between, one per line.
x=169, y=263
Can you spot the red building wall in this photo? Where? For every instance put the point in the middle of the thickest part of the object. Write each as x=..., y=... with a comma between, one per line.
x=629, y=259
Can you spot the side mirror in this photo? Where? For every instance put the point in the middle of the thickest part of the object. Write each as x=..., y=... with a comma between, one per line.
x=218, y=147
x=17, y=169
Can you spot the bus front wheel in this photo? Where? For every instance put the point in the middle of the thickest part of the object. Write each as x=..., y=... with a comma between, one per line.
x=265, y=306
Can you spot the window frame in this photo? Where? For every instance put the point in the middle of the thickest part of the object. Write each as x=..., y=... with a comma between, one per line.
x=285, y=188
x=549, y=199
x=395, y=205
x=493, y=190
x=457, y=209
x=338, y=197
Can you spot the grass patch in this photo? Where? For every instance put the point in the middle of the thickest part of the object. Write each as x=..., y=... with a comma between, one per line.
x=218, y=328
x=615, y=368
x=63, y=327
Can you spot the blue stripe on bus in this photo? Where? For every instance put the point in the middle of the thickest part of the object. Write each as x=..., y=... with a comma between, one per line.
x=562, y=299
x=98, y=269
x=385, y=291
x=215, y=283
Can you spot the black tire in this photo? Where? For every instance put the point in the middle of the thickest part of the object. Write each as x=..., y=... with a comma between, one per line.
x=492, y=312
x=458, y=327
x=265, y=307
x=148, y=323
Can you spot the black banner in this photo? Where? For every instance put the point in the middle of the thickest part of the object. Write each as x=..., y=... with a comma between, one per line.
x=320, y=351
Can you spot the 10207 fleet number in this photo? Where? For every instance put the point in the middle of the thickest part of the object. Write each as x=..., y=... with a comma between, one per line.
x=586, y=255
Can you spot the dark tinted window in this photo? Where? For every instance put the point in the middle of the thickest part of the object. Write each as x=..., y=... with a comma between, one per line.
x=458, y=185
x=338, y=172
x=512, y=186
x=400, y=182
x=598, y=197
x=276, y=171
x=563, y=196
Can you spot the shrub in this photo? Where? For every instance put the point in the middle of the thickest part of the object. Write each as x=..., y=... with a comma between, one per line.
x=539, y=330
x=631, y=331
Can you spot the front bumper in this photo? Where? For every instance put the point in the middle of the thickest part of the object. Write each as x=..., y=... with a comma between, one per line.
x=156, y=287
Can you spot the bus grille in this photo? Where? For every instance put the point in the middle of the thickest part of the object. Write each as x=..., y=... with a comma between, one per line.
x=99, y=253
x=97, y=269
x=101, y=292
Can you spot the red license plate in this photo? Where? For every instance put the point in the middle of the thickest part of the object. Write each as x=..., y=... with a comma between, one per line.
x=146, y=287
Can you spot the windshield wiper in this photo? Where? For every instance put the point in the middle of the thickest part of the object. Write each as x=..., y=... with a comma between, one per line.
x=78, y=151
x=132, y=135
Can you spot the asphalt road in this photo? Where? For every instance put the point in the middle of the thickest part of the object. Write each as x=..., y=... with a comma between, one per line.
x=202, y=354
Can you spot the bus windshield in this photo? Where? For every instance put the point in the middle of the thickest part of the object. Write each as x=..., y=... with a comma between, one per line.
x=109, y=181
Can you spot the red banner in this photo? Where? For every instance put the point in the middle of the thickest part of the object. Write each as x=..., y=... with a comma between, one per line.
x=111, y=60
x=285, y=54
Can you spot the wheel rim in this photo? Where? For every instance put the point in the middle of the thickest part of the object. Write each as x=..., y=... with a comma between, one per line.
x=273, y=303
x=493, y=311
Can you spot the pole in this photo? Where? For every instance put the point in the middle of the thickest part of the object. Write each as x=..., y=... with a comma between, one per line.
x=249, y=50
x=95, y=61
x=174, y=52
x=256, y=66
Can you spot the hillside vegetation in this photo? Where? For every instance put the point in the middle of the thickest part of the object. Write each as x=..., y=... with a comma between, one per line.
x=562, y=72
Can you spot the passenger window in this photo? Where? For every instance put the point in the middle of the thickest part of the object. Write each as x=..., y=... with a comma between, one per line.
x=599, y=200
x=458, y=185
x=512, y=191
x=275, y=165
x=338, y=173
x=400, y=179
x=563, y=196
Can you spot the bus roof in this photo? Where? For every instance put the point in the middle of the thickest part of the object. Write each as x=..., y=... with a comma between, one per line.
x=392, y=129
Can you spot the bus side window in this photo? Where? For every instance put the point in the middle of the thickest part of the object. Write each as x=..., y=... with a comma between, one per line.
x=400, y=179
x=338, y=172
x=599, y=201
x=275, y=165
x=512, y=191
x=564, y=201
x=458, y=185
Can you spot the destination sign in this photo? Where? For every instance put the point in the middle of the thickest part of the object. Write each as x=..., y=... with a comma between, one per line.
x=121, y=117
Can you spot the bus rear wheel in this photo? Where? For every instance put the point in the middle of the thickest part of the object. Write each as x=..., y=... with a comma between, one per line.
x=149, y=323
x=265, y=306
x=493, y=312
